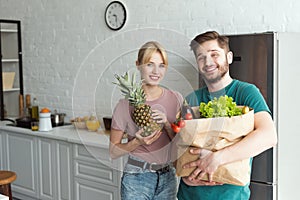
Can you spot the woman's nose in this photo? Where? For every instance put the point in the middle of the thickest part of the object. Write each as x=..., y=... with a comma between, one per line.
x=155, y=69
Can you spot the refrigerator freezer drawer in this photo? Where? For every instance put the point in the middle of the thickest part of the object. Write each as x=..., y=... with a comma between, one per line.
x=262, y=167
x=262, y=191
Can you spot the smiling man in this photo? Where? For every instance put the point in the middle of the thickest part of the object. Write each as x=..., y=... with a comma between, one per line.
x=213, y=57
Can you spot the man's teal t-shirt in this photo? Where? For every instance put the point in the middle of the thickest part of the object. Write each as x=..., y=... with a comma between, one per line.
x=243, y=94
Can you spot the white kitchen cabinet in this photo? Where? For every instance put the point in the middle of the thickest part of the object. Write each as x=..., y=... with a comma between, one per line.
x=85, y=189
x=10, y=62
x=2, y=149
x=21, y=154
x=46, y=168
x=54, y=166
x=43, y=166
x=95, y=176
x=64, y=170
x=54, y=169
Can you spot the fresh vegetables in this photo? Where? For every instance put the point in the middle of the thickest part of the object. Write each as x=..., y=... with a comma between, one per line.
x=188, y=116
x=175, y=128
x=223, y=106
x=181, y=123
x=177, y=125
x=186, y=111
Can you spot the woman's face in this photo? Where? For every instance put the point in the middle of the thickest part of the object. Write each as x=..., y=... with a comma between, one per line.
x=153, y=71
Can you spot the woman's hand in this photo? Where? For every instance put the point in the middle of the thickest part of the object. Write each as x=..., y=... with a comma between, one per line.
x=159, y=116
x=149, y=139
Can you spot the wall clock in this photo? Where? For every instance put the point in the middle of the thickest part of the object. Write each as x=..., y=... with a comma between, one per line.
x=115, y=15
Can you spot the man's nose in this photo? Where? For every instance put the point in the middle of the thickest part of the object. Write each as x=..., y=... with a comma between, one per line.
x=209, y=60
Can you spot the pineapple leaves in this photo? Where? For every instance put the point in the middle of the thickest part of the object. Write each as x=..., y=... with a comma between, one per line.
x=131, y=89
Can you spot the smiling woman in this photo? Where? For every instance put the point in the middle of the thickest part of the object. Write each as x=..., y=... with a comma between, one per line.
x=145, y=115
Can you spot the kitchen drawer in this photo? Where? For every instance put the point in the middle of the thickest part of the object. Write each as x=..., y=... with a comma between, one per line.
x=96, y=155
x=97, y=172
x=85, y=189
x=91, y=154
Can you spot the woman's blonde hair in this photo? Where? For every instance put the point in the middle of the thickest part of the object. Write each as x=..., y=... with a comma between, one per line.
x=148, y=49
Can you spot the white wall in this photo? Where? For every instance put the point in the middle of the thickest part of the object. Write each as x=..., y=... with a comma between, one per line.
x=70, y=56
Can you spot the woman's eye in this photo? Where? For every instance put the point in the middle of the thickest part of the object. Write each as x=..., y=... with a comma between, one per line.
x=162, y=66
x=150, y=65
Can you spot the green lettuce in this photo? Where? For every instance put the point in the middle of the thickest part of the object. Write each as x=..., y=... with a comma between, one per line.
x=223, y=106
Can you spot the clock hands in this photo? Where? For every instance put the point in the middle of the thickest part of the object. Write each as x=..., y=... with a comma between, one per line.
x=116, y=18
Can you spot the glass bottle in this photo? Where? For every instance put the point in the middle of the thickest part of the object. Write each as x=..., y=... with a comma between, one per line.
x=28, y=106
x=5, y=112
x=35, y=109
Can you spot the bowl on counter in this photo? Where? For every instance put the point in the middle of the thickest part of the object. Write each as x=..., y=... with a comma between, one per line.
x=79, y=125
x=92, y=125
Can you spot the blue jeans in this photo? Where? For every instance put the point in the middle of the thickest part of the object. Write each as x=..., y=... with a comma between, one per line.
x=149, y=185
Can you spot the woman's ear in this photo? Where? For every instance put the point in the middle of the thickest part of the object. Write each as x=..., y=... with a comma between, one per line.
x=137, y=64
x=229, y=57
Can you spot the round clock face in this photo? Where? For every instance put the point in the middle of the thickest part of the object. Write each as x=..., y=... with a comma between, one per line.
x=115, y=15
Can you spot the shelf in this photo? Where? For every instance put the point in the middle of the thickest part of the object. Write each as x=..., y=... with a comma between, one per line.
x=12, y=90
x=10, y=60
x=8, y=31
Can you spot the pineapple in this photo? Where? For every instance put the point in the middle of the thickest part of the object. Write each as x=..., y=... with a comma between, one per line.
x=136, y=96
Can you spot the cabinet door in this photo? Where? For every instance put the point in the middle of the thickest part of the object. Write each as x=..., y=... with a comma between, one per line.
x=21, y=158
x=94, y=191
x=2, y=149
x=46, y=169
x=64, y=170
x=55, y=170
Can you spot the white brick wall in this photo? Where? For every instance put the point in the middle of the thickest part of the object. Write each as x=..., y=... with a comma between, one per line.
x=70, y=56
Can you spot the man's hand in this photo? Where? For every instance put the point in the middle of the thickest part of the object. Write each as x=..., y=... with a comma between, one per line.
x=207, y=163
x=199, y=182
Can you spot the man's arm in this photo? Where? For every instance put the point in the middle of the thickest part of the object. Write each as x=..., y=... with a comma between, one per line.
x=263, y=137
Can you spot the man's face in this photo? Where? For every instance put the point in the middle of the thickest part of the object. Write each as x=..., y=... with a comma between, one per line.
x=212, y=61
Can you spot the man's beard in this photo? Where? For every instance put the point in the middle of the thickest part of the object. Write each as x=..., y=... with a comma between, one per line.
x=224, y=69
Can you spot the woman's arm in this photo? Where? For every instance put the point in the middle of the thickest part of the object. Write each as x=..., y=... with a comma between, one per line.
x=117, y=149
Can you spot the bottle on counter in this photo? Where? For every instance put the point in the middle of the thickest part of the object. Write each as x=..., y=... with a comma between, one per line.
x=5, y=111
x=28, y=106
x=35, y=109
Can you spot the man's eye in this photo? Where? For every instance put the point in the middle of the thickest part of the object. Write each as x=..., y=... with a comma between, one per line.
x=214, y=55
x=201, y=58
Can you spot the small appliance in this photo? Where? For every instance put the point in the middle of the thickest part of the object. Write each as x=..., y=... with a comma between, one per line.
x=45, y=122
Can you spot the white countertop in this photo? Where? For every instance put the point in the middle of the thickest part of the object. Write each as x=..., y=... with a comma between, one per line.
x=66, y=133
x=3, y=197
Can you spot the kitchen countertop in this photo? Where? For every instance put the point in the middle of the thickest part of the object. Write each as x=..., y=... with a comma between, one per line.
x=66, y=133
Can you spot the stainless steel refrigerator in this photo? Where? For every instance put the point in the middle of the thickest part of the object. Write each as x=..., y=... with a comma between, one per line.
x=254, y=57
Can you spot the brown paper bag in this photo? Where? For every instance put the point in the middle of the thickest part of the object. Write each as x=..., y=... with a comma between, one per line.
x=214, y=134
